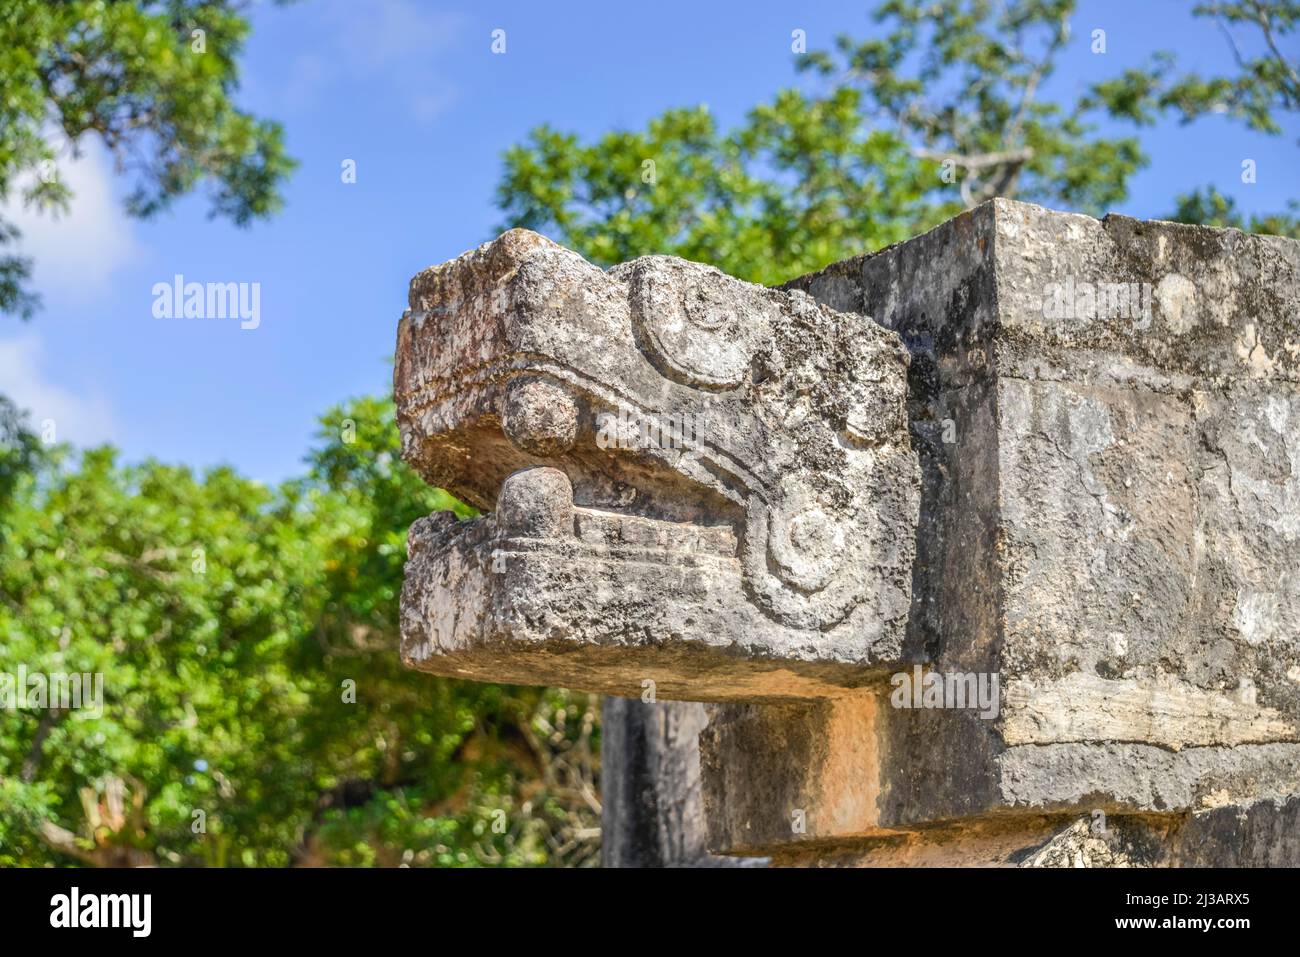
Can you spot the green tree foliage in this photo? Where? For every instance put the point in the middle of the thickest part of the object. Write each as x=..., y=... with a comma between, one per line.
x=255, y=709
x=255, y=712
x=940, y=113
x=800, y=184
x=157, y=94
x=962, y=81
x=1266, y=82
x=943, y=110
x=20, y=449
x=1209, y=207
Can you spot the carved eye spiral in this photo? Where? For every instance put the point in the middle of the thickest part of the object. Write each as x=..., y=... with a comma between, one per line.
x=805, y=543
x=799, y=555
x=696, y=329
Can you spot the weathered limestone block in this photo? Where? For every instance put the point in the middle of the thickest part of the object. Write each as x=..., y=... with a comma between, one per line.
x=1108, y=419
x=1254, y=834
x=696, y=482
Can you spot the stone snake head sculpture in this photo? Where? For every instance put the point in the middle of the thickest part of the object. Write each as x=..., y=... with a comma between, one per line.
x=692, y=480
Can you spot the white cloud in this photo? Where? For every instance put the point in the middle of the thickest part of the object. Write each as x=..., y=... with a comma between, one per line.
x=378, y=34
x=427, y=106
x=388, y=39
x=76, y=255
x=83, y=419
x=308, y=76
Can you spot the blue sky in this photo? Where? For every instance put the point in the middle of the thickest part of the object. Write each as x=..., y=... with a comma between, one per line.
x=411, y=91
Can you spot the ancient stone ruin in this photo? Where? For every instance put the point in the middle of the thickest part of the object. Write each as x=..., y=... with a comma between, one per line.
x=984, y=548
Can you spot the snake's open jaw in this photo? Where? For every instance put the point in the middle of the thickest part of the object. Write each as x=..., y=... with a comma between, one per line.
x=666, y=470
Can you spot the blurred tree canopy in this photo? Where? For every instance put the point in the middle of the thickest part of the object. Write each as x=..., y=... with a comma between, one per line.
x=154, y=80
x=255, y=712
x=943, y=109
x=803, y=183
x=255, y=709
